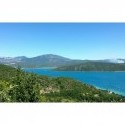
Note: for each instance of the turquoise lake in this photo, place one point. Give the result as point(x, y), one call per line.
point(112, 81)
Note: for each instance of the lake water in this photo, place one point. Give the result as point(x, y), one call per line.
point(112, 81)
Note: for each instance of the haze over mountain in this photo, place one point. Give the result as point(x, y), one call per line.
point(49, 60)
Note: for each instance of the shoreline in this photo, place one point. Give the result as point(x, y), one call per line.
point(111, 90)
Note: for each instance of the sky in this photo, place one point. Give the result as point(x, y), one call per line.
point(72, 40)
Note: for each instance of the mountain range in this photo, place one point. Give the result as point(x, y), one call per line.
point(49, 60)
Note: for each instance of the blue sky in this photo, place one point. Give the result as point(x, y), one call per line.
point(73, 40)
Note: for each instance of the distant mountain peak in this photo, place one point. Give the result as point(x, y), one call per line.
point(52, 56)
point(21, 57)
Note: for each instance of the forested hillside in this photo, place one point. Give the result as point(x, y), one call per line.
point(19, 86)
point(94, 66)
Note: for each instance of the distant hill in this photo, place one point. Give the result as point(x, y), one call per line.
point(19, 86)
point(49, 60)
point(94, 66)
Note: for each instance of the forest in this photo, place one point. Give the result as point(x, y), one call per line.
point(94, 66)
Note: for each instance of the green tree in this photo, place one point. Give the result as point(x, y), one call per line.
point(5, 88)
point(26, 87)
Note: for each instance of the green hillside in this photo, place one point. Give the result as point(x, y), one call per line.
point(94, 66)
point(6, 72)
point(19, 86)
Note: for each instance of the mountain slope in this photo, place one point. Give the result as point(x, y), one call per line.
point(18, 86)
point(6, 72)
point(48, 60)
point(94, 66)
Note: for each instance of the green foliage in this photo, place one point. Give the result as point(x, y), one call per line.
point(74, 91)
point(26, 88)
point(19, 86)
point(6, 72)
point(5, 88)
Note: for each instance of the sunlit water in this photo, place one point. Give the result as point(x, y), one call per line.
point(112, 81)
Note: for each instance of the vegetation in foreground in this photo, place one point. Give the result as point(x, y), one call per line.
point(19, 86)
point(94, 66)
